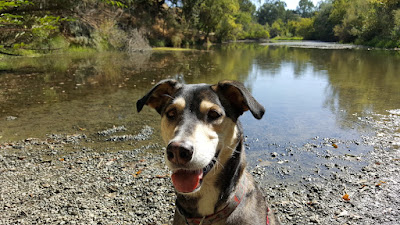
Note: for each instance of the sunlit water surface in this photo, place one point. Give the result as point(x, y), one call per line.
point(309, 95)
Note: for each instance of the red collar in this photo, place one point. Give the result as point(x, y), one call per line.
point(223, 213)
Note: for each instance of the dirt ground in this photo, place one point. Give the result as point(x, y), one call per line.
point(42, 183)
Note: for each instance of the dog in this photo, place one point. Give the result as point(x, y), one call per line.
point(205, 151)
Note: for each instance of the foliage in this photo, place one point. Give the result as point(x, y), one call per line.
point(271, 11)
point(277, 28)
point(306, 8)
point(115, 3)
point(323, 23)
point(13, 4)
point(217, 15)
point(109, 37)
point(46, 25)
point(291, 15)
point(25, 31)
point(305, 28)
point(366, 22)
point(254, 31)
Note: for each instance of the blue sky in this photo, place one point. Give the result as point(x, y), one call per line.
point(290, 4)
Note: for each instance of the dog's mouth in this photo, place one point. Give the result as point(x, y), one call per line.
point(187, 181)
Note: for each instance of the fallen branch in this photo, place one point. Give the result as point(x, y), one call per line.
point(10, 54)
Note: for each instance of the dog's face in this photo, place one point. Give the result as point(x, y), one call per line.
point(198, 124)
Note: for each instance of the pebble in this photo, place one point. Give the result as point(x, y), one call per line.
point(90, 187)
point(9, 118)
point(77, 191)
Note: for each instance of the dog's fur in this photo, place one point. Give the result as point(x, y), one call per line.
point(202, 121)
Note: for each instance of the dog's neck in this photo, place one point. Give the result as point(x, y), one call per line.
point(219, 192)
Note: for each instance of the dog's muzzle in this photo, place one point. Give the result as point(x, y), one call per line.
point(180, 153)
point(186, 180)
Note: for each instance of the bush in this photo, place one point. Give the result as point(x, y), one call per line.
point(58, 42)
point(137, 41)
point(257, 31)
point(157, 43)
point(277, 28)
point(109, 37)
point(305, 28)
point(176, 41)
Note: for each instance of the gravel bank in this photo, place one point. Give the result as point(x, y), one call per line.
point(42, 183)
point(370, 195)
point(315, 44)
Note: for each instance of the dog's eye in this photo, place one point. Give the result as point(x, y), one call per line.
point(171, 114)
point(213, 115)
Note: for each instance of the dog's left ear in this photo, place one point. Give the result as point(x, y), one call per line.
point(239, 97)
point(158, 96)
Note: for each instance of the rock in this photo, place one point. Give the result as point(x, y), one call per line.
point(46, 185)
point(314, 219)
point(93, 187)
point(9, 118)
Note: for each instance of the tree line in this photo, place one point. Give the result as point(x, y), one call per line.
point(46, 25)
point(366, 22)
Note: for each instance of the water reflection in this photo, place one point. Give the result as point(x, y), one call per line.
point(307, 92)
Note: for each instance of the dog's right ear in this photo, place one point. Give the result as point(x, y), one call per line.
point(158, 96)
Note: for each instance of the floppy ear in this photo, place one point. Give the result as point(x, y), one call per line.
point(158, 96)
point(239, 98)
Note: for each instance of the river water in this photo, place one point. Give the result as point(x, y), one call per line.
point(310, 95)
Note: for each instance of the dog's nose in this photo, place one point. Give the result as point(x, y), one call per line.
point(180, 152)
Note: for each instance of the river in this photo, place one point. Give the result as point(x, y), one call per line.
point(312, 96)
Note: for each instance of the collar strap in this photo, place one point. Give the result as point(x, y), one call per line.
point(223, 213)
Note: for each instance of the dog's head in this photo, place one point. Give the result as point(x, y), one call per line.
point(198, 124)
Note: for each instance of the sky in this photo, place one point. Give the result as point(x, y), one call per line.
point(290, 4)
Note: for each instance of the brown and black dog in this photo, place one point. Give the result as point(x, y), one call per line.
point(205, 151)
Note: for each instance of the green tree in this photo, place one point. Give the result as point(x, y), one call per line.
point(249, 28)
point(351, 25)
point(323, 24)
point(305, 28)
point(291, 15)
point(23, 25)
point(277, 28)
point(396, 29)
point(218, 15)
point(305, 8)
point(247, 6)
point(271, 11)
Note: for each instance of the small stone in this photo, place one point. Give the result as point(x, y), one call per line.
point(314, 219)
point(9, 118)
point(344, 213)
point(46, 185)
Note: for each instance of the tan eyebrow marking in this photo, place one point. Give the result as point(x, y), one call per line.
point(205, 106)
point(178, 103)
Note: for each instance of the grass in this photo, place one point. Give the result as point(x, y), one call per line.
point(281, 38)
point(79, 49)
point(172, 49)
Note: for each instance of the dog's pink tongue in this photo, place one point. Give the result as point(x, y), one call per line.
point(186, 181)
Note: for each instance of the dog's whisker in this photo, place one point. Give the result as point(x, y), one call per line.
point(218, 163)
point(169, 96)
point(234, 150)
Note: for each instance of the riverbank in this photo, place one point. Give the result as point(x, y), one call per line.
point(322, 45)
point(347, 195)
point(44, 183)
point(315, 44)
